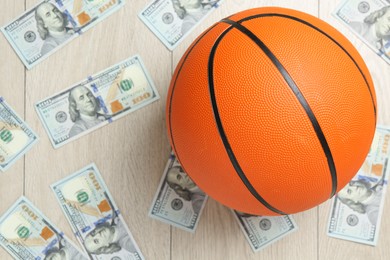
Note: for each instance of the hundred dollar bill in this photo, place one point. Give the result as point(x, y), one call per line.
point(94, 217)
point(28, 235)
point(178, 201)
point(96, 101)
point(261, 231)
point(172, 20)
point(16, 137)
point(51, 24)
point(357, 208)
point(370, 21)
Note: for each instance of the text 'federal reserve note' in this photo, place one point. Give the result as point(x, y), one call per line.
point(172, 20)
point(16, 137)
point(357, 208)
point(261, 231)
point(27, 234)
point(178, 201)
point(94, 217)
point(370, 21)
point(97, 101)
point(42, 30)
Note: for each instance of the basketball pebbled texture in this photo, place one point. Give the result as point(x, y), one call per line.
point(271, 111)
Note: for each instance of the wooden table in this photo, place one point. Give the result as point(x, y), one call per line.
point(131, 153)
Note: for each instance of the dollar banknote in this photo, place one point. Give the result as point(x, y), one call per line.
point(172, 20)
point(262, 231)
point(370, 21)
point(50, 24)
point(16, 137)
point(178, 201)
point(27, 234)
point(96, 101)
point(95, 219)
point(357, 208)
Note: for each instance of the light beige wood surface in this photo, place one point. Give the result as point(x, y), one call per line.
point(131, 153)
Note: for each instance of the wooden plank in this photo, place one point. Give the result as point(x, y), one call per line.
point(12, 76)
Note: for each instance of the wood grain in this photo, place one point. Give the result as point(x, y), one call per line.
point(12, 89)
point(131, 153)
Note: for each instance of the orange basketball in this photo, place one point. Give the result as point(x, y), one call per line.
point(271, 111)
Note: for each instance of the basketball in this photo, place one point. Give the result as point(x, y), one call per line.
point(271, 111)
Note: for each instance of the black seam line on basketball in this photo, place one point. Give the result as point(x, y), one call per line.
point(299, 96)
point(173, 90)
point(328, 36)
point(222, 133)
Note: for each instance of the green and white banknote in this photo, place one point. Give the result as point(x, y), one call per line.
point(98, 100)
point(27, 234)
point(370, 21)
point(262, 231)
point(172, 20)
point(178, 201)
point(95, 219)
point(16, 137)
point(49, 25)
point(357, 208)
